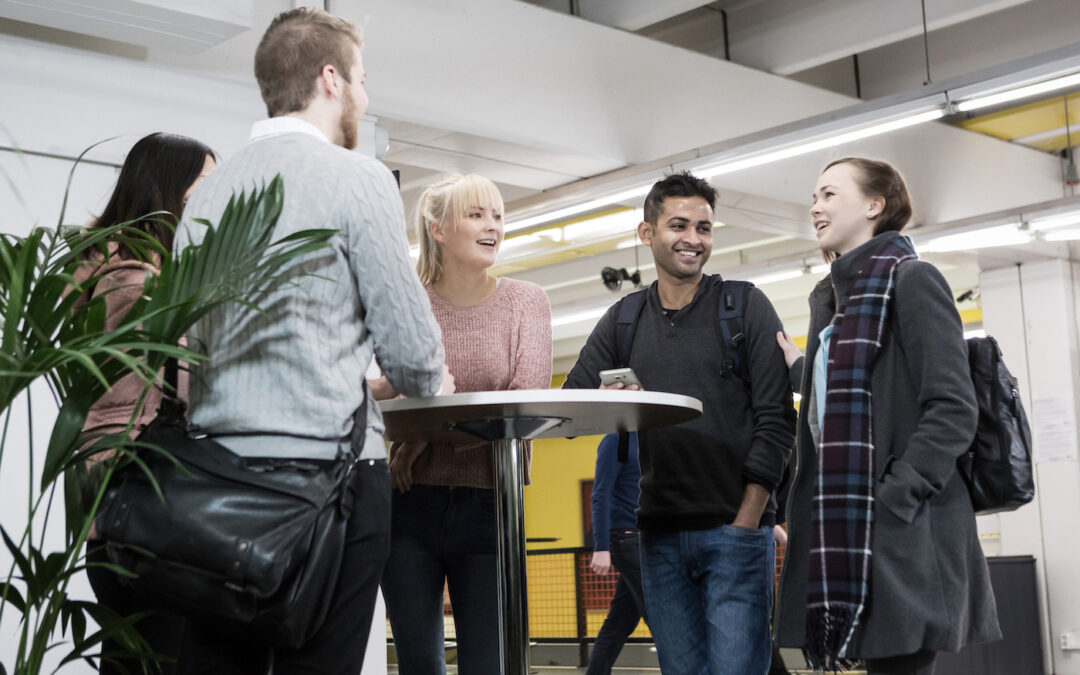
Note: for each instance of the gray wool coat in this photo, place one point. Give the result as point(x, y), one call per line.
point(929, 584)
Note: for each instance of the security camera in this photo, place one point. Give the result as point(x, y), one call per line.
point(613, 278)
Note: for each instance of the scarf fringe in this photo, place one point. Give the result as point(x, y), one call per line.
point(827, 632)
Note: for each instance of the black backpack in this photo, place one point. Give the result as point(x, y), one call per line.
point(997, 468)
point(731, 323)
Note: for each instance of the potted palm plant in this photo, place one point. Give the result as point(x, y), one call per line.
point(48, 335)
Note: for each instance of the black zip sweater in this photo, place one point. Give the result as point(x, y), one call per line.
point(693, 475)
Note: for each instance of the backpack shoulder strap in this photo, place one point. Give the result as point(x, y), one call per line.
point(629, 311)
point(625, 323)
point(731, 318)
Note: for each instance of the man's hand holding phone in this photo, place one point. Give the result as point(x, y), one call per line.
point(620, 378)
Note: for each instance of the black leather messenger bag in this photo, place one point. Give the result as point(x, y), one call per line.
point(254, 544)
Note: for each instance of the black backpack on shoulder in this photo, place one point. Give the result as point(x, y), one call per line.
point(731, 325)
point(997, 468)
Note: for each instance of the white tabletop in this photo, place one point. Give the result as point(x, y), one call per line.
point(584, 412)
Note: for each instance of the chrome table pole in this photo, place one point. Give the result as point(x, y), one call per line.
point(513, 597)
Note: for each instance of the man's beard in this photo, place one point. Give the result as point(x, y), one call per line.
point(349, 122)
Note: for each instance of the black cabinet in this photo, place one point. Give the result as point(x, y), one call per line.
point(1019, 652)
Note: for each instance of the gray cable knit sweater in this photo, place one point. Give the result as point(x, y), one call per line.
point(298, 369)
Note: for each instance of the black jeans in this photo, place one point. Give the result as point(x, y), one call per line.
point(920, 663)
point(448, 535)
point(627, 605)
point(339, 645)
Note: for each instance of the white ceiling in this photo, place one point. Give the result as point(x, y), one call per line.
point(546, 103)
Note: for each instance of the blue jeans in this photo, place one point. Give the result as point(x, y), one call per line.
point(709, 595)
point(627, 605)
point(443, 533)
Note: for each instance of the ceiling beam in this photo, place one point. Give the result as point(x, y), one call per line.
point(784, 37)
point(634, 14)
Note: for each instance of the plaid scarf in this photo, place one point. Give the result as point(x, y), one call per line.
point(843, 505)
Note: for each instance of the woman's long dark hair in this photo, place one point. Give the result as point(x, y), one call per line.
point(157, 172)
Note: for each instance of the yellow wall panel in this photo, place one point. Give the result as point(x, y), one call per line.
point(553, 505)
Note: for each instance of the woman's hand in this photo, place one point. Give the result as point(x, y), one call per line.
point(448, 386)
point(791, 352)
point(381, 389)
point(401, 465)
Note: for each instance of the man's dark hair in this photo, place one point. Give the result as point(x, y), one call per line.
point(683, 184)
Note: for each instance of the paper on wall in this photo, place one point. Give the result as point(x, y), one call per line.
point(1054, 429)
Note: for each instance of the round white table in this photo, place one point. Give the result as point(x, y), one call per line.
point(508, 419)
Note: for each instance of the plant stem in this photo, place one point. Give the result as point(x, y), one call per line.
point(30, 459)
point(3, 436)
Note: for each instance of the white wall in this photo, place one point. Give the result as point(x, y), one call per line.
point(1032, 311)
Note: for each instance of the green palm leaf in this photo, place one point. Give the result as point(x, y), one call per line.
point(50, 329)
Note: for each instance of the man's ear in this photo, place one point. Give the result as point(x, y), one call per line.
point(328, 82)
point(645, 233)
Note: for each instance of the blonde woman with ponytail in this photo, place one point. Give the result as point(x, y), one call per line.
point(497, 335)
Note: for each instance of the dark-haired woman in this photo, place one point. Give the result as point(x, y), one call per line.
point(158, 174)
point(883, 560)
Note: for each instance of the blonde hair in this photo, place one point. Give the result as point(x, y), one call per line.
point(445, 202)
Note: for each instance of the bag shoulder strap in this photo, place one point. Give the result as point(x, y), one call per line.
point(626, 322)
point(731, 322)
point(172, 408)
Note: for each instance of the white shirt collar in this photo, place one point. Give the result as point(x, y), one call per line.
point(285, 124)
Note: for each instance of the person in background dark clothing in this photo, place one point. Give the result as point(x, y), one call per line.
point(615, 545)
point(706, 513)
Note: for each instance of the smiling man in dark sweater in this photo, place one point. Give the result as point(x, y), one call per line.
point(706, 511)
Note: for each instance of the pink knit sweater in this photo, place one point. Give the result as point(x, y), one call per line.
point(121, 283)
point(502, 343)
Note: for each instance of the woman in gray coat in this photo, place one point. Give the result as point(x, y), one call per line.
point(883, 561)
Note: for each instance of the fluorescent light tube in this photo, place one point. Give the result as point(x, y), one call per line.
point(513, 225)
point(592, 313)
point(739, 161)
point(988, 237)
point(805, 147)
point(521, 241)
point(773, 277)
point(1019, 92)
point(1061, 235)
point(602, 227)
point(820, 269)
point(1056, 221)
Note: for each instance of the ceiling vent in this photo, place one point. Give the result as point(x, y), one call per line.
point(186, 27)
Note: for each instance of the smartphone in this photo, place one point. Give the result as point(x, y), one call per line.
point(624, 375)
